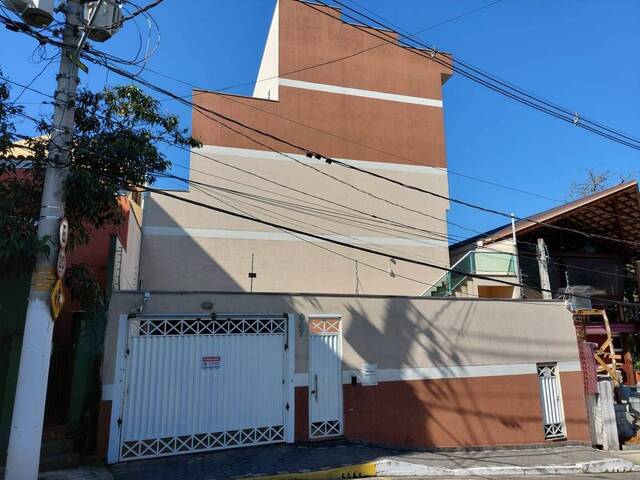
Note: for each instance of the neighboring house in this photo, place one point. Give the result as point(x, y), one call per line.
point(381, 110)
point(73, 386)
point(604, 269)
point(329, 347)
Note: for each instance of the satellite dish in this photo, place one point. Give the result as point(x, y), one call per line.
point(37, 13)
point(105, 21)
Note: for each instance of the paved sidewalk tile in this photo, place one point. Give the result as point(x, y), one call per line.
point(81, 473)
point(521, 457)
point(266, 460)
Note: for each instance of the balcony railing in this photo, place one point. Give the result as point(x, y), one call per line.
point(473, 262)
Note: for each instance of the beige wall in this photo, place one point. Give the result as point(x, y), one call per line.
point(394, 332)
point(187, 247)
point(382, 110)
point(130, 260)
point(267, 83)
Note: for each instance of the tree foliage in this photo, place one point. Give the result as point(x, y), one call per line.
point(115, 144)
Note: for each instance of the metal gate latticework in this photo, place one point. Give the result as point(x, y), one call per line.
point(325, 429)
point(194, 384)
point(211, 326)
point(551, 401)
point(325, 373)
point(206, 441)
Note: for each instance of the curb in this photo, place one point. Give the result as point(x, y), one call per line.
point(393, 468)
point(361, 470)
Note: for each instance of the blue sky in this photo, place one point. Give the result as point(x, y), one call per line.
point(581, 54)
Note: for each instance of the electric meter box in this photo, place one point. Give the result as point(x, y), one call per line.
point(106, 20)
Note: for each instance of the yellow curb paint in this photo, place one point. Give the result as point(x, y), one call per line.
point(362, 470)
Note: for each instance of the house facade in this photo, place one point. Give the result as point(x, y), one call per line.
point(381, 110)
point(598, 270)
point(193, 372)
point(243, 334)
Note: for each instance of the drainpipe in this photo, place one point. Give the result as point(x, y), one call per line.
point(515, 255)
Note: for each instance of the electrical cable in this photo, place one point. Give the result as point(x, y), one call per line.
point(485, 247)
point(472, 73)
point(362, 248)
point(331, 160)
point(302, 238)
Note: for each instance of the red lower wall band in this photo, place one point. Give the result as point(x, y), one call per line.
point(460, 412)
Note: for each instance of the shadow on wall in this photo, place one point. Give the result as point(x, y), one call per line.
point(193, 260)
point(494, 410)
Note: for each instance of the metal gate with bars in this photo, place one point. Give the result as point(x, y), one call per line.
point(205, 383)
point(551, 401)
point(325, 376)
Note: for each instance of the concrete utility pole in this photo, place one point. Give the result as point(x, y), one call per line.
point(516, 257)
point(543, 269)
point(23, 454)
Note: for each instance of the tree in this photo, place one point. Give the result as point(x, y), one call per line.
point(115, 145)
point(595, 182)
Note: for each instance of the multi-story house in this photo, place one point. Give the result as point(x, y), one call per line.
point(381, 110)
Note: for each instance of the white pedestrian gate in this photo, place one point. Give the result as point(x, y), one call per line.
point(551, 401)
point(325, 376)
point(195, 384)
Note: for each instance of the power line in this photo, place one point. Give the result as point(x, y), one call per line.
point(476, 75)
point(127, 74)
point(362, 248)
point(188, 181)
point(484, 247)
point(330, 160)
point(263, 198)
point(302, 238)
point(322, 64)
point(296, 222)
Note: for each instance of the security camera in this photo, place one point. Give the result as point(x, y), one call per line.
point(147, 297)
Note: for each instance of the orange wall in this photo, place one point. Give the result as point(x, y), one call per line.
point(481, 411)
point(395, 132)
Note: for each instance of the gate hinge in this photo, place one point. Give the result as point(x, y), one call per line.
point(286, 347)
point(287, 406)
point(119, 422)
point(126, 352)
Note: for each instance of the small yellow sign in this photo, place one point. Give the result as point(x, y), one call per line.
point(57, 299)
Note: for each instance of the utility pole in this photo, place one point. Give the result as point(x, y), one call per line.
point(515, 256)
point(543, 269)
point(23, 454)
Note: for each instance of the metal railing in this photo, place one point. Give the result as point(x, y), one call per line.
point(473, 262)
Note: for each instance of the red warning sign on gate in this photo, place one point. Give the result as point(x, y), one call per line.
point(211, 362)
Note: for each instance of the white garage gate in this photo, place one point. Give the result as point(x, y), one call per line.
point(194, 383)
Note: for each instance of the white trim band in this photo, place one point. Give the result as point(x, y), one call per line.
point(269, 155)
point(447, 372)
point(286, 237)
point(357, 92)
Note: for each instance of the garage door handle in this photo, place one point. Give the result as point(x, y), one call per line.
point(314, 392)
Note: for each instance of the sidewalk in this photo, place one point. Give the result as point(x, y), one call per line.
point(291, 461)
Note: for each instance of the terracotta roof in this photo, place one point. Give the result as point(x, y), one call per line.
point(614, 212)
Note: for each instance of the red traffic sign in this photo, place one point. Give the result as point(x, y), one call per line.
point(61, 265)
point(63, 237)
